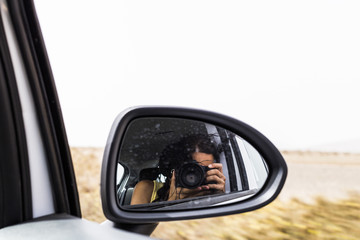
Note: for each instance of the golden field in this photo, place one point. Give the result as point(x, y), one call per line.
point(320, 200)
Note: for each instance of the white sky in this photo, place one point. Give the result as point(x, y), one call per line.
point(291, 69)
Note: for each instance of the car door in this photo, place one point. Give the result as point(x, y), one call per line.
point(38, 192)
point(37, 177)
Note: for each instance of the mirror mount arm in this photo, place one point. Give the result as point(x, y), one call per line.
point(144, 229)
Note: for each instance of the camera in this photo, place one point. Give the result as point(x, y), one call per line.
point(190, 175)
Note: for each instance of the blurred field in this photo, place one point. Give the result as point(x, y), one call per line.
point(320, 200)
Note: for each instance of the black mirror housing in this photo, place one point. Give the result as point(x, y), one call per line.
point(270, 190)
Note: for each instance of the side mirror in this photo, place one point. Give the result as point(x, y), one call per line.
point(163, 163)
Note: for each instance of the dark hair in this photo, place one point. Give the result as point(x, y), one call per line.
point(176, 153)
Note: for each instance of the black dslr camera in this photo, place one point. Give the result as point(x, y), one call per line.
point(190, 175)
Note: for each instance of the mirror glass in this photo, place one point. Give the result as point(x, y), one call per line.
point(173, 163)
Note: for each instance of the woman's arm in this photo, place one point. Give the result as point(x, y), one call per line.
point(142, 192)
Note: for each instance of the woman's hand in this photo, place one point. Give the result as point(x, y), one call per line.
point(215, 178)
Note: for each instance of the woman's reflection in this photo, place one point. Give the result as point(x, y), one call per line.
point(190, 168)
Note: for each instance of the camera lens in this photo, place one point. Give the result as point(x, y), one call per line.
point(191, 175)
point(191, 178)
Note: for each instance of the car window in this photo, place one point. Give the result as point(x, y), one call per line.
point(256, 168)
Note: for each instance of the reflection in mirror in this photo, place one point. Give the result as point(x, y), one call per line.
point(172, 163)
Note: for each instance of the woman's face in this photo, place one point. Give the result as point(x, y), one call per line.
point(204, 159)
